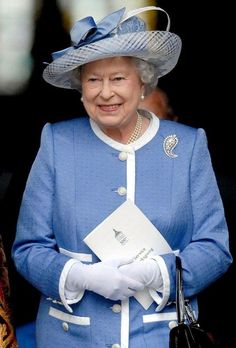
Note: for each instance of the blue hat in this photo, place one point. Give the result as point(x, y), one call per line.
point(118, 34)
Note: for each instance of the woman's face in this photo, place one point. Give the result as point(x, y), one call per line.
point(111, 90)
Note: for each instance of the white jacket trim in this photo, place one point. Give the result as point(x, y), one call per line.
point(68, 317)
point(151, 318)
point(62, 283)
point(78, 256)
point(161, 300)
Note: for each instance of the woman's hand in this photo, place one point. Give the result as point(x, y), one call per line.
point(104, 278)
point(147, 272)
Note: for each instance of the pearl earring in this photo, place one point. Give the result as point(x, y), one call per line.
point(81, 99)
point(142, 97)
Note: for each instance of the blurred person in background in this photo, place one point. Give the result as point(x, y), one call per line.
point(158, 102)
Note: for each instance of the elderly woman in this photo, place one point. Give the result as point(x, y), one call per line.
point(88, 167)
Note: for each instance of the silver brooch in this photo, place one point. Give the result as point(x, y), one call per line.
point(169, 144)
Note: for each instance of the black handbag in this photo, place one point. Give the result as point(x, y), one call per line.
point(187, 333)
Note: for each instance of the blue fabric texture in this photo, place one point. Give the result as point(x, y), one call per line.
point(25, 335)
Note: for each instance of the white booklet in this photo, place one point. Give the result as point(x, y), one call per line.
point(128, 232)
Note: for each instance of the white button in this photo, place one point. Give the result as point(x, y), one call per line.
point(115, 345)
point(172, 324)
point(122, 191)
point(116, 308)
point(123, 156)
point(65, 326)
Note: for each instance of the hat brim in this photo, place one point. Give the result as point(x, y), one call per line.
point(161, 48)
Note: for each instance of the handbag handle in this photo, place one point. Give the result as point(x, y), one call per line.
point(180, 306)
point(183, 307)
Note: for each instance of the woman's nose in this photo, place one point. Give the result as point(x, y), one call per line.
point(106, 90)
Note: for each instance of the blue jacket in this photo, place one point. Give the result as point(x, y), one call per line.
point(73, 186)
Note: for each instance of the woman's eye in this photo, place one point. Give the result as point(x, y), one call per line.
point(92, 79)
point(119, 78)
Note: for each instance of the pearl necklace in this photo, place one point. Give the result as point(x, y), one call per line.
point(137, 130)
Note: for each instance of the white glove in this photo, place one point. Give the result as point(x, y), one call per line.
point(104, 278)
point(146, 271)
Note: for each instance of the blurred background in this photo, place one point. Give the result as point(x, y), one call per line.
point(198, 90)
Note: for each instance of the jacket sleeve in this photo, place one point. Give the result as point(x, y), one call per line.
point(207, 256)
point(34, 250)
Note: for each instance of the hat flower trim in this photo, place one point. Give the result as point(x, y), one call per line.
point(86, 31)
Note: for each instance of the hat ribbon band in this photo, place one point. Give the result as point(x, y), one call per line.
point(86, 31)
